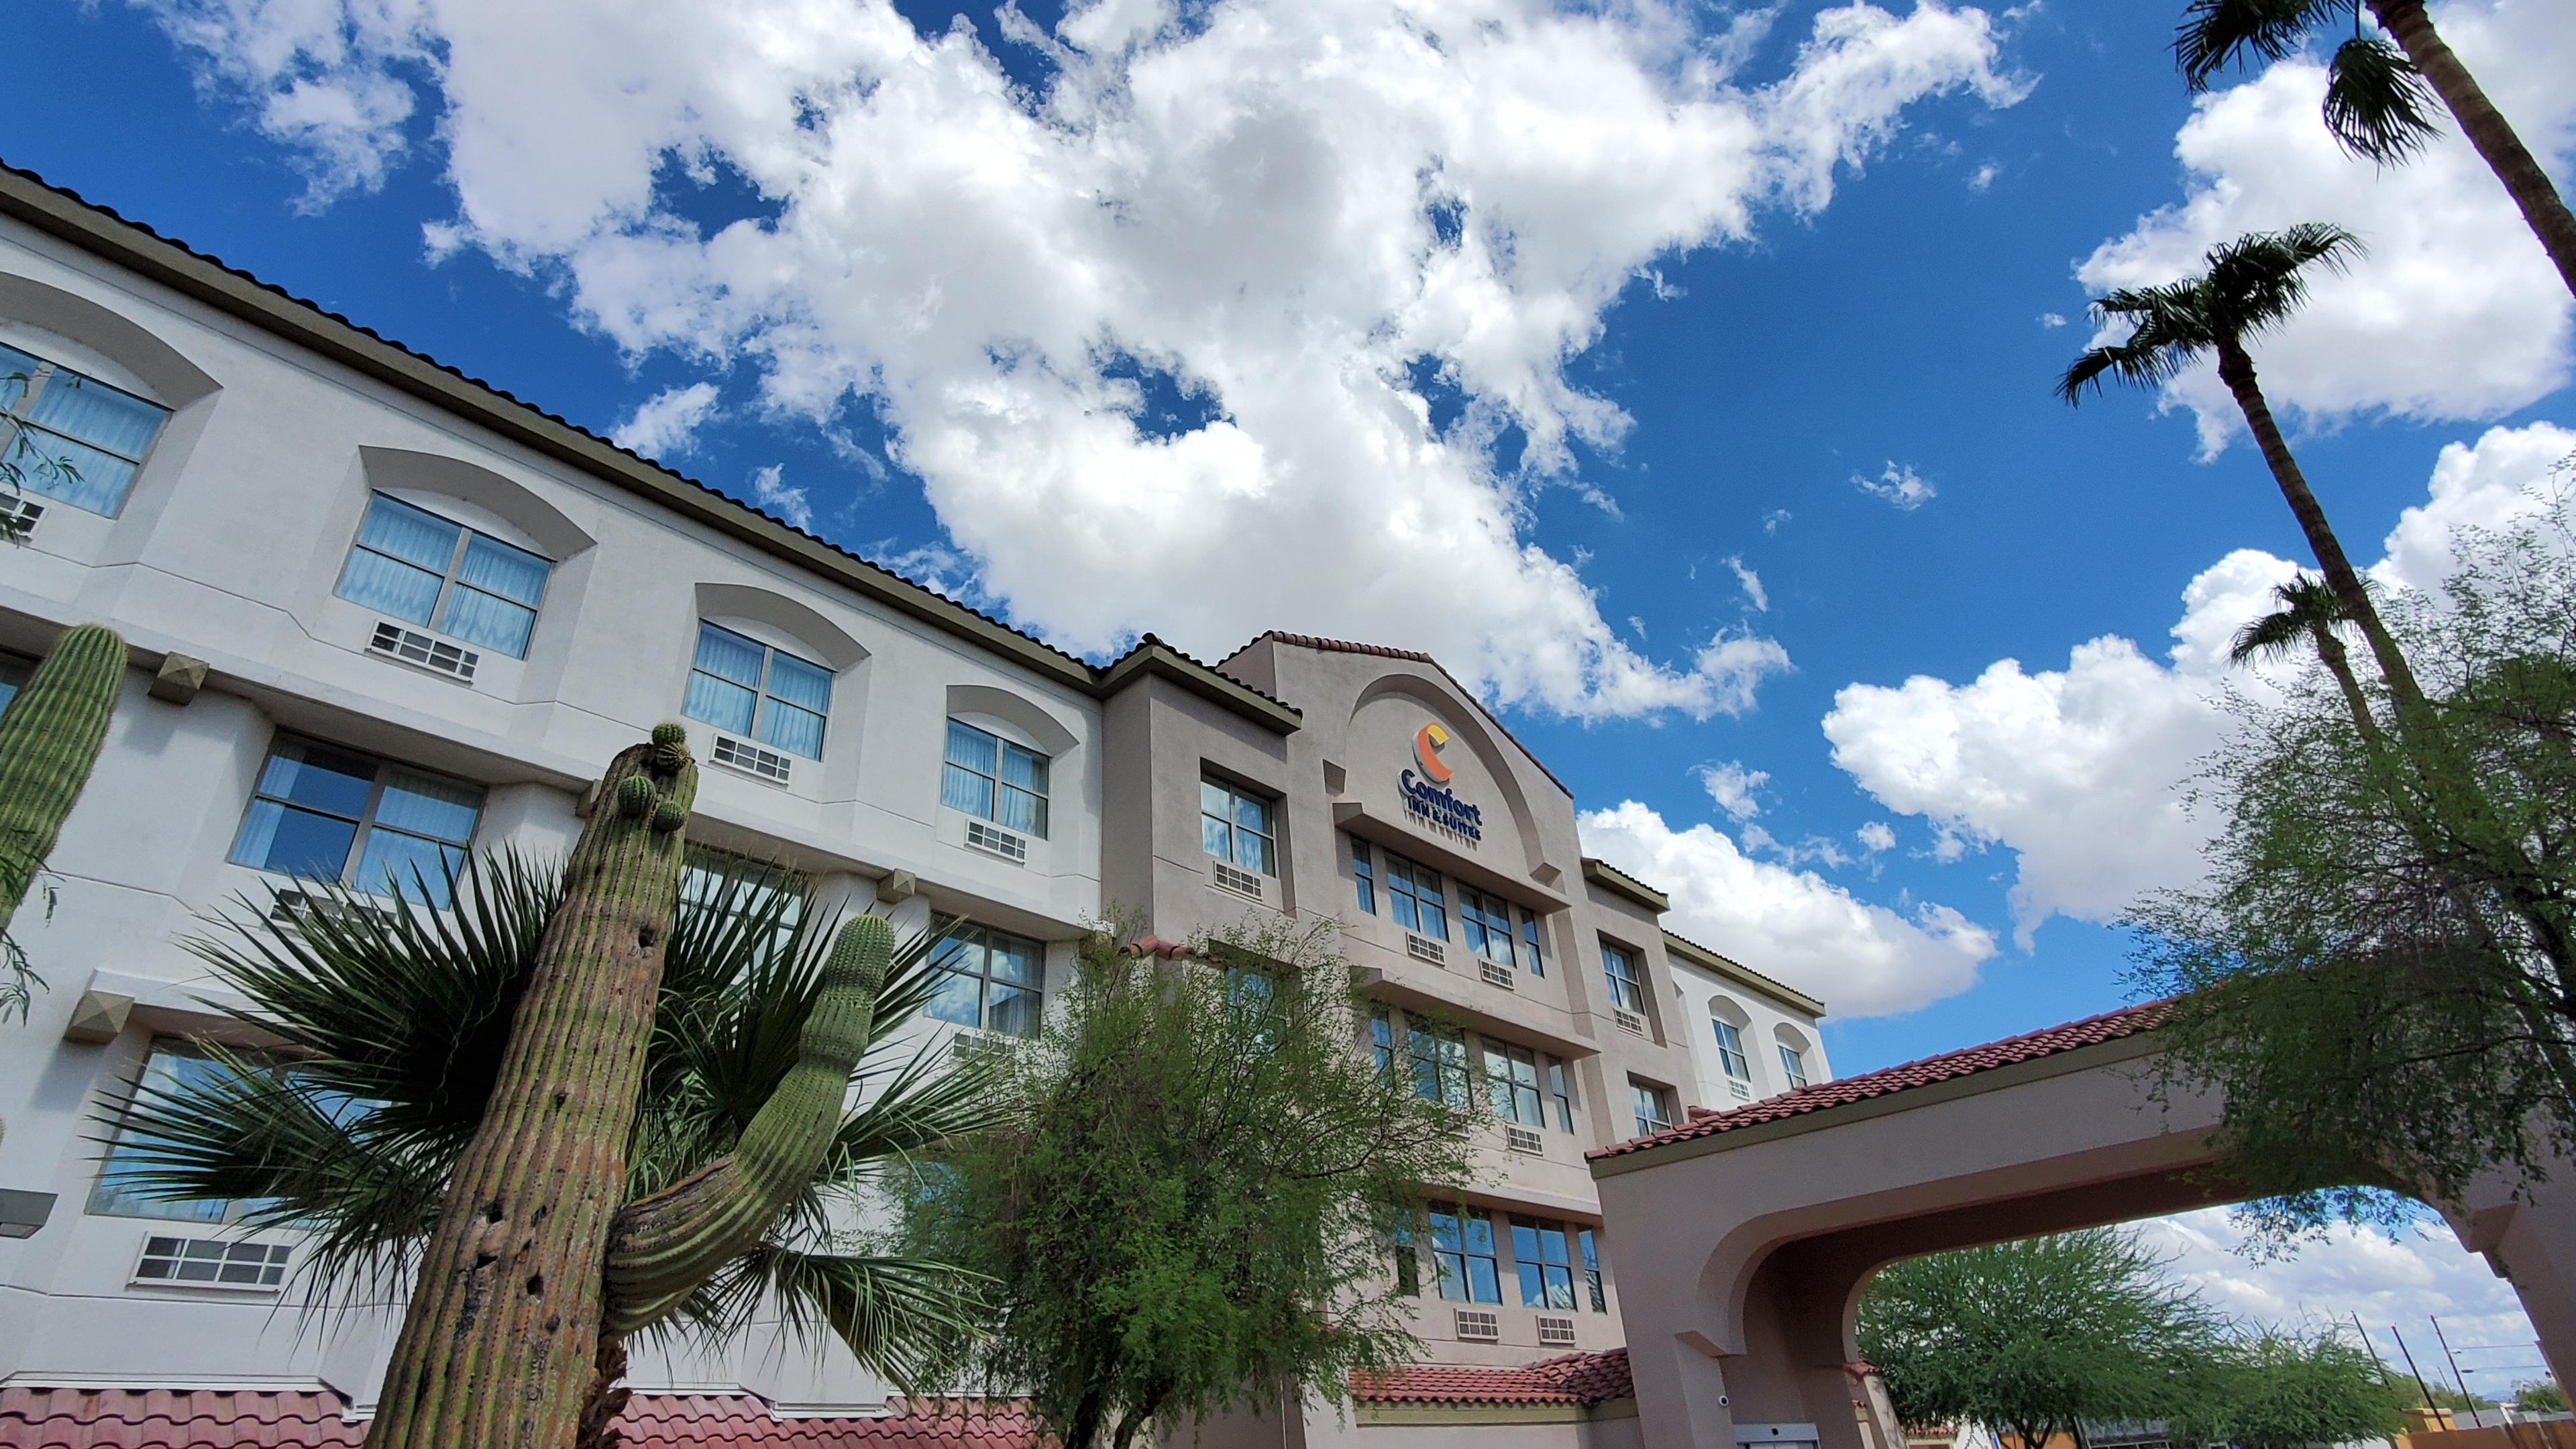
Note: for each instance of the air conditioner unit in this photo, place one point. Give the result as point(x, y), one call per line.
point(1478, 1325)
point(1495, 974)
point(999, 842)
point(751, 759)
point(1422, 948)
point(1741, 1092)
point(1521, 1139)
point(212, 1263)
point(1241, 882)
point(1555, 1332)
point(978, 1048)
point(414, 647)
point(20, 513)
point(1628, 1021)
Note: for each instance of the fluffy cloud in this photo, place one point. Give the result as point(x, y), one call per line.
point(1731, 785)
point(2456, 312)
point(2077, 770)
point(1860, 959)
point(666, 424)
point(1283, 207)
point(1899, 485)
point(769, 489)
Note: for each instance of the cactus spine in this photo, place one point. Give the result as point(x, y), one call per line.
point(49, 740)
point(665, 1245)
point(499, 1344)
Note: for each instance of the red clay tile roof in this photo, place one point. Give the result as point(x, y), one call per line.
point(1968, 1061)
point(1156, 946)
point(42, 1418)
point(1347, 646)
point(1574, 1378)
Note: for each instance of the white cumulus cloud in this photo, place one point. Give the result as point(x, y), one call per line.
point(1899, 485)
point(1281, 207)
point(1732, 786)
point(2456, 311)
point(1859, 959)
point(665, 425)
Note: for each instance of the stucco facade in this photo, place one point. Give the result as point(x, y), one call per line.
point(285, 466)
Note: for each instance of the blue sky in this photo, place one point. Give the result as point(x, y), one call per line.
point(1672, 295)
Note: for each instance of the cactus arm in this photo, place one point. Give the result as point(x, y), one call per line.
point(500, 1344)
point(50, 737)
point(665, 1245)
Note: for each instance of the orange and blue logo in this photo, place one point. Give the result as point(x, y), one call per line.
point(1427, 746)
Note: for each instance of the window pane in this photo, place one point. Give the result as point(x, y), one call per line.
point(1252, 852)
point(499, 568)
point(408, 866)
point(963, 789)
point(972, 748)
point(1014, 959)
point(1216, 837)
point(17, 370)
point(389, 586)
point(416, 537)
point(167, 1071)
point(97, 414)
point(319, 776)
point(1014, 1011)
point(1252, 814)
point(1215, 800)
point(294, 842)
point(959, 999)
point(1024, 769)
point(54, 466)
point(806, 686)
point(725, 705)
point(797, 731)
point(727, 655)
point(1484, 1280)
point(1021, 810)
point(479, 618)
point(424, 805)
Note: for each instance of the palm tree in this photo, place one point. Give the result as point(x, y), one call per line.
point(2378, 94)
point(2252, 285)
point(389, 1023)
point(2308, 617)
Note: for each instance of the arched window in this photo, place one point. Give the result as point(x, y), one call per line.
point(67, 436)
point(1727, 1021)
point(1793, 1056)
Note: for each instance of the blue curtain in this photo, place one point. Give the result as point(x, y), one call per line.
point(797, 731)
point(94, 413)
point(495, 604)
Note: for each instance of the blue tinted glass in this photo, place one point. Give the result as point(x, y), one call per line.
point(389, 586)
point(497, 568)
point(1216, 837)
point(17, 370)
point(91, 411)
point(1027, 771)
point(1020, 810)
point(972, 748)
point(396, 864)
point(319, 776)
point(409, 534)
point(54, 466)
point(1252, 814)
point(495, 623)
point(727, 655)
point(961, 789)
point(797, 731)
point(294, 842)
point(803, 685)
point(959, 999)
point(1252, 852)
point(725, 705)
point(425, 805)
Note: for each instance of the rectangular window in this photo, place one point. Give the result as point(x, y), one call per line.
point(1462, 1246)
point(173, 1066)
point(418, 567)
point(991, 980)
point(72, 437)
point(1627, 984)
point(1364, 876)
point(1529, 943)
point(1560, 1085)
point(1235, 827)
point(1793, 1062)
point(1730, 1049)
point(1591, 1254)
point(744, 687)
point(1511, 1084)
point(1439, 1056)
point(1408, 1261)
point(1382, 1039)
point(1414, 899)
point(1539, 1252)
point(324, 813)
point(1486, 922)
point(1654, 1106)
point(990, 778)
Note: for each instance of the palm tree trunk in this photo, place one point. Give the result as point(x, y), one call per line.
point(2339, 664)
point(2236, 369)
point(2486, 129)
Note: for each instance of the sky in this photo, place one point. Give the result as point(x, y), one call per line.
point(1678, 373)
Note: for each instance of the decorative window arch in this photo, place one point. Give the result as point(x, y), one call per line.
point(1728, 1023)
point(1794, 1054)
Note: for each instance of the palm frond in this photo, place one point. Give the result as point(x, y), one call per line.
point(906, 1319)
point(2256, 281)
point(2377, 103)
point(2306, 605)
point(2168, 329)
point(2218, 34)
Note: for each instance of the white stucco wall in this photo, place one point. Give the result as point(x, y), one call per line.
point(1700, 995)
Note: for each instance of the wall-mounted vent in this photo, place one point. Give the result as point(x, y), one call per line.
point(1495, 974)
point(213, 1263)
point(1241, 882)
point(1521, 1139)
point(1555, 1332)
point(1422, 948)
point(1000, 842)
point(414, 647)
point(19, 513)
point(976, 1048)
point(1628, 1021)
point(1738, 1090)
point(751, 759)
point(1478, 1325)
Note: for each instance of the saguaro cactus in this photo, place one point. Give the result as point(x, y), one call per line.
point(49, 740)
point(498, 1347)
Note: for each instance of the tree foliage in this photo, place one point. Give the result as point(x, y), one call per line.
point(2541, 1396)
point(1190, 1205)
point(2037, 1337)
point(2374, 971)
point(2269, 1390)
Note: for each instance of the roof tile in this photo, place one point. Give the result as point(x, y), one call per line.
point(1574, 1378)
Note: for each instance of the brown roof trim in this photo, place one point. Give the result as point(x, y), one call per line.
point(1741, 974)
point(1414, 656)
point(1152, 658)
point(1610, 877)
point(101, 231)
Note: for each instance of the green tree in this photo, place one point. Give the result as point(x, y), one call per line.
point(2378, 93)
point(2541, 1396)
point(2270, 1390)
point(2380, 1015)
point(2036, 1338)
point(1192, 1203)
point(2307, 619)
point(395, 1022)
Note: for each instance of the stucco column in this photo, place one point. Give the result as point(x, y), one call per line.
point(2531, 1242)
